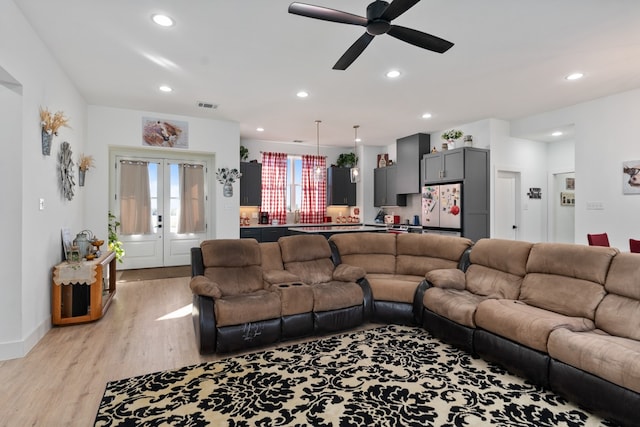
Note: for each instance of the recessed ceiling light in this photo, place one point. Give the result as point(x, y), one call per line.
point(162, 20)
point(556, 133)
point(302, 94)
point(393, 74)
point(260, 129)
point(358, 139)
point(426, 116)
point(165, 88)
point(574, 76)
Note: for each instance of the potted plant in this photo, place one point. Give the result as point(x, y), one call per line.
point(84, 164)
point(244, 153)
point(451, 136)
point(115, 244)
point(226, 177)
point(50, 123)
point(347, 160)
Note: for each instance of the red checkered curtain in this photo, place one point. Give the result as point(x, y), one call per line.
point(314, 191)
point(274, 186)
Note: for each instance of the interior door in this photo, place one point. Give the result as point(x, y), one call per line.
point(506, 198)
point(163, 245)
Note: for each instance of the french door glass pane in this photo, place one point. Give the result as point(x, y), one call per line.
point(174, 197)
point(153, 192)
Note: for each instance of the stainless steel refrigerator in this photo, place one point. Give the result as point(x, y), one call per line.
point(442, 208)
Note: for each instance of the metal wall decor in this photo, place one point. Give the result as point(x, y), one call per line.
point(66, 171)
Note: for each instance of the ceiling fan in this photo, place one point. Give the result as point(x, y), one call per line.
point(378, 21)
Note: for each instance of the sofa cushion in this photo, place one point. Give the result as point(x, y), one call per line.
point(492, 283)
point(393, 287)
point(239, 309)
point(447, 278)
point(509, 256)
point(234, 264)
point(454, 304)
point(308, 257)
point(335, 295)
point(375, 252)
point(566, 278)
point(610, 357)
point(524, 324)
point(271, 256)
point(417, 254)
point(624, 276)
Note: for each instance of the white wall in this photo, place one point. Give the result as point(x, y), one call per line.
point(122, 128)
point(606, 135)
point(33, 176)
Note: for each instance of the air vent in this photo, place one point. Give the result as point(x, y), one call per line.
point(210, 105)
point(298, 141)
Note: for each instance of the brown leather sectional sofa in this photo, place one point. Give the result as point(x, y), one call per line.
point(565, 316)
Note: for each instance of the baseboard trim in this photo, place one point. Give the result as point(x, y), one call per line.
point(17, 349)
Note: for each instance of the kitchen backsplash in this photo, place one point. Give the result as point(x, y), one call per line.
point(334, 212)
point(413, 207)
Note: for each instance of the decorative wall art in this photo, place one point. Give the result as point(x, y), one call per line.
point(631, 177)
point(535, 193)
point(567, 198)
point(570, 183)
point(50, 124)
point(165, 133)
point(66, 172)
point(383, 160)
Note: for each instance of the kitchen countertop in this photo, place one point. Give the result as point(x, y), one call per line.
point(334, 228)
point(324, 224)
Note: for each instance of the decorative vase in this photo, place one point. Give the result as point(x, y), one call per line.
point(81, 174)
point(227, 190)
point(452, 144)
point(46, 142)
point(468, 140)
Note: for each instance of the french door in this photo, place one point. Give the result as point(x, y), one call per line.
point(162, 243)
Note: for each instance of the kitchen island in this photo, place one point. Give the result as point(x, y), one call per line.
point(329, 230)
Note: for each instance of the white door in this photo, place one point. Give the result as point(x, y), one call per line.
point(507, 195)
point(162, 245)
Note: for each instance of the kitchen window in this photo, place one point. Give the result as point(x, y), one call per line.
point(294, 183)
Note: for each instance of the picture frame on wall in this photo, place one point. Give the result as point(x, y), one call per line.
point(570, 183)
point(631, 177)
point(165, 133)
point(567, 198)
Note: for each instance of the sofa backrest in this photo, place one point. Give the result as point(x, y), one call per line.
point(567, 278)
point(375, 252)
point(234, 264)
point(417, 254)
point(619, 312)
point(497, 267)
point(308, 257)
point(271, 256)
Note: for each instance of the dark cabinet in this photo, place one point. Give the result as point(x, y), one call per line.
point(272, 234)
point(250, 184)
point(340, 189)
point(445, 166)
point(384, 188)
point(410, 150)
point(251, 233)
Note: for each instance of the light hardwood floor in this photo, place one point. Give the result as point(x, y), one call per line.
point(62, 379)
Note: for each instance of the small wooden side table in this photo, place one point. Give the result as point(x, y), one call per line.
point(70, 282)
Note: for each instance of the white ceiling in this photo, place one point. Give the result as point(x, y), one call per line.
point(251, 57)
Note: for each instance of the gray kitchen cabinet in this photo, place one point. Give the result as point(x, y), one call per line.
point(452, 165)
point(340, 189)
point(251, 233)
point(384, 188)
point(409, 152)
point(250, 184)
point(272, 234)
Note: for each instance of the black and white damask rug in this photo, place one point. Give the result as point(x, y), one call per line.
point(389, 376)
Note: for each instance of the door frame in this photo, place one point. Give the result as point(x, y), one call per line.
point(551, 217)
point(172, 155)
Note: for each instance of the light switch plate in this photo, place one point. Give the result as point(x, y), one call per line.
point(41, 204)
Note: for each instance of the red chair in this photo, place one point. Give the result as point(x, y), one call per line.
point(634, 245)
point(598, 239)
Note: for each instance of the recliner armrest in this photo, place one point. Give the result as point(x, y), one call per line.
point(202, 285)
point(274, 277)
point(197, 263)
point(348, 273)
point(451, 278)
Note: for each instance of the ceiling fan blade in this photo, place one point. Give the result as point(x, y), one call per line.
point(397, 8)
point(353, 52)
point(420, 39)
point(326, 14)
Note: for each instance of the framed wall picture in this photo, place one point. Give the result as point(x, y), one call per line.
point(165, 133)
point(631, 177)
point(567, 198)
point(383, 160)
point(570, 183)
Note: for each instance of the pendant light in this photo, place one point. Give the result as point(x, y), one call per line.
point(317, 172)
point(355, 172)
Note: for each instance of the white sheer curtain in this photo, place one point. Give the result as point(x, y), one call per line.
point(191, 179)
point(135, 199)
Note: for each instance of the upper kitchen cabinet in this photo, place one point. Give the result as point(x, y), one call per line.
point(454, 165)
point(250, 184)
point(340, 189)
point(384, 188)
point(409, 152)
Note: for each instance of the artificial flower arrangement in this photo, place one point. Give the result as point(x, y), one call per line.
point(52, 122)
point(85, 162)
point(452, 134)
point(227, 176)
